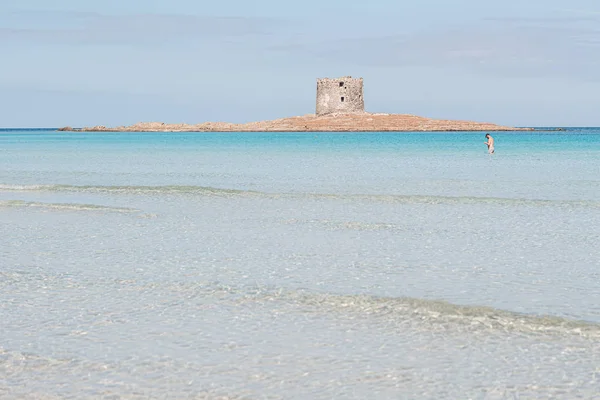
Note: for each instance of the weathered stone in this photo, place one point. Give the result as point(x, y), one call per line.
point(340, 95)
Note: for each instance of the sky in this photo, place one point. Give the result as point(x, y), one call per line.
point(118, 62)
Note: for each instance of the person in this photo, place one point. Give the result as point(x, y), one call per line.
point(490, 143)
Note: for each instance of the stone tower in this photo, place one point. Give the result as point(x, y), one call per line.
point(340, 95)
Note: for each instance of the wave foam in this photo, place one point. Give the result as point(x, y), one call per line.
point(381, 198)
point(433, 312)
point(65, 206)
point(170, 189)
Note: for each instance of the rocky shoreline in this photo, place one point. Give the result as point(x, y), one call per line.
point(358, 122)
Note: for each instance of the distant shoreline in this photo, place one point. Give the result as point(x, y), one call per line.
point(357, 122)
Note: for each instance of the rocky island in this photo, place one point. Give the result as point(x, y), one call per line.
point(340, 108)
point(364, 122)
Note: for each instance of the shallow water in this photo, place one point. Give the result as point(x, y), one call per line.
point(283, 265)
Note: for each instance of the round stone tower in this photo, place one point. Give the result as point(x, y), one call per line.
point(340, 95)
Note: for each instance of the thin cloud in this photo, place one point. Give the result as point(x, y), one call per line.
point(581, 12)
point(25, 14)
point(93, 28)
point(545, 20)
point(499, 49)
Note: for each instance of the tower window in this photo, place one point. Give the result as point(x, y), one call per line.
point(342, 99)
point(341, 84)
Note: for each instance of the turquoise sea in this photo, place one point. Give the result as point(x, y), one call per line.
point(299, 265)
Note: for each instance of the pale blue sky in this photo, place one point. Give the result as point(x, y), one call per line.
point(113, 62)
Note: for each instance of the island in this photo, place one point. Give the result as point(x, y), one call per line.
point(339, 108)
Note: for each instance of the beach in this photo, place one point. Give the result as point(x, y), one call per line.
point(282, 265)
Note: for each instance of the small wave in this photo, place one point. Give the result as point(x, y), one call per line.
point(65, 206)
point(459, 200)
point(345, 225)
point(380, 198)
point(430, 312)
point(170, 189)
point(441, 313)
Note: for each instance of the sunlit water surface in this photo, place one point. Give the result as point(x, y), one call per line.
point(304, 266)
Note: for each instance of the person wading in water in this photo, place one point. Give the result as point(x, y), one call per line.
point(490, 143)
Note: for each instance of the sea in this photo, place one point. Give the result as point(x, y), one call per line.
point(299, 265)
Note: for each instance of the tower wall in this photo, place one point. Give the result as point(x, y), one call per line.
point(340, 95)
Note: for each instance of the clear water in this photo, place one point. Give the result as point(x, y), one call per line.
point(285, 265)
